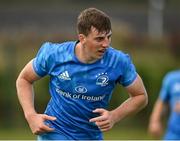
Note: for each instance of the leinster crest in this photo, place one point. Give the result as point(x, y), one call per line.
point(102, 79)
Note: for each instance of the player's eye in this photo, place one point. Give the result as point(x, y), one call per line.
point(99, 39)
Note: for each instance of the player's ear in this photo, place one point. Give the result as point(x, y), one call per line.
point(82, 38)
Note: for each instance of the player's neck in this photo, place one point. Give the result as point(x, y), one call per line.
point(82, 54)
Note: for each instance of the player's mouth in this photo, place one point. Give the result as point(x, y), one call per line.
point(101, 51)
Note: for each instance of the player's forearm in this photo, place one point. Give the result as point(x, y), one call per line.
point(131, 106)
point(25, 94)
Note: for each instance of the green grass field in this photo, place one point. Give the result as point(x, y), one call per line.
point(114, 134)
point(16, 134)
point(126, 134)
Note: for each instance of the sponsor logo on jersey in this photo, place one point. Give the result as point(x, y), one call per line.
point(102, 79)
point(80, 96)
point(81, 89)
point(64, 75)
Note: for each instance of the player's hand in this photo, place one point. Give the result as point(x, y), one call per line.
point(37, 125)
point(104, 121)
point(155, 129)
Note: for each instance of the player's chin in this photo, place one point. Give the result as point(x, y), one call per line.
point(100, 55)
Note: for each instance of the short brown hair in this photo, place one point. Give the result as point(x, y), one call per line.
point(93, 17)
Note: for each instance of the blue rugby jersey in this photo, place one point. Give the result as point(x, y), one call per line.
point(77, 88)
point(170, 93)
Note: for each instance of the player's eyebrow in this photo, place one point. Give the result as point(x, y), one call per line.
point(104, 35)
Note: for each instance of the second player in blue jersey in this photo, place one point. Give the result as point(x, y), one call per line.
point(169, 98)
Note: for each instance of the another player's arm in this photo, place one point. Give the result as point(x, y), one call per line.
point(138, 99)
point(155, 124)
point(25, 92)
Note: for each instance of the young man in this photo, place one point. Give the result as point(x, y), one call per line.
point(169, 97)
point(83, 75)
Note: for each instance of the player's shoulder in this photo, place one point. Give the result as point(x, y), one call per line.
point(117, 54)
point(51, 47)
point(172, 75)
point(115, 58)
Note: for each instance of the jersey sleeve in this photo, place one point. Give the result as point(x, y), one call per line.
point(164, 92)
point(40, 62)
point(129, 73)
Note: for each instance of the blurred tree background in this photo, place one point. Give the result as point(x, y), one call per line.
point(146, 29)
